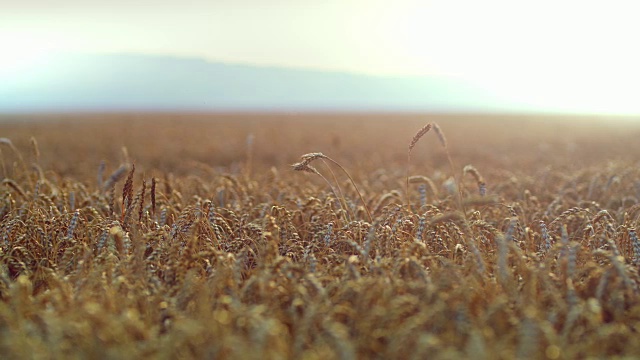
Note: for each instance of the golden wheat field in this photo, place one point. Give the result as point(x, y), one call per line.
point(391, 237)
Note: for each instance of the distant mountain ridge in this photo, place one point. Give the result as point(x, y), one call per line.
point(147, 82)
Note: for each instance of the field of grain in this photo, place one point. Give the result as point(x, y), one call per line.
point(193, 236)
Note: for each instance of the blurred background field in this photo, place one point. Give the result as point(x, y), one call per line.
point(74, 144)
point(214, 247)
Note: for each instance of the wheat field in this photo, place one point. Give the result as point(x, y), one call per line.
point(292, 236)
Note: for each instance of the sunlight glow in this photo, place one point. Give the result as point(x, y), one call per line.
point(21, 52)
point(550, 55)
point(560, 55)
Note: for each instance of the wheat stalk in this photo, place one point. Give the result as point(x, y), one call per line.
point(418, 135)
point(127, 193)
point(482, 186)
point(304, 166)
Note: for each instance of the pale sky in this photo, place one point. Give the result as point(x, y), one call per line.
point(580, 55)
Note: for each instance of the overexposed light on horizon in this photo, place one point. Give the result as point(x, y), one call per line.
point(21, 52)
point(564, 54)
point(27, 52)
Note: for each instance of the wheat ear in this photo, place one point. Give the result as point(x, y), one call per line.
point(443, 142)
point(425, 129)
point(482, 186)
point(307, 158)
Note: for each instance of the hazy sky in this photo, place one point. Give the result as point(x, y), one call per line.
point(581, 55)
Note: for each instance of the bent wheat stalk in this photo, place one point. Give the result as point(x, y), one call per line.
point(482, 186)
point(308, 158)
point(425, 129)
point(9, 143)
point(443, 142)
